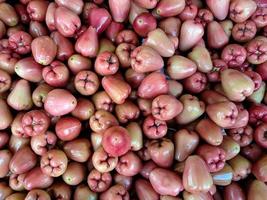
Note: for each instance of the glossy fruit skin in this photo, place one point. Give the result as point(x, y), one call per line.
point(99, 182)
point(20, 166)
point(193, 182)
point(78, 149)
point(54, 163)
point(37, 179)
point(165, 182)
point(144, 23)
point(68, 128)
point(116, 141)
point(59, 102)
point(259, 169)
point(5, 158)
point(184, 149)
point(117, 89)
point(161, 152)
point(144, 190)
point(234, 191)
point(116, 191)
point(41, 53)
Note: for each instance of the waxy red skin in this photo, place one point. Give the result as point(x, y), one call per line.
point(86, 82)
point(224, 118)
point(115, 192)
point(153, 85)
point(20, 42)
point(259, 169)
point(29, 70)
point(147, 168)
point(243, 136)
point(252, 152)
point(123, 52)
point(245, 31)
point(5, 157)
point(41, 53)
point(217, 37)
point(37, 179)
point(37, 194)
point(41, 143)
point(4, 138)
point(7, 62)
point(76, 6)
point(5, 190)
point(50, 16)
point(134, 78)
point(106, 63)
point(84, 109)
point(116, 141)
point(165, 182)
point(127, 36)
point(262, 70)
point(16, 143)
point(35, 122)
point(54, 163)
point(144, 23)
point(117, 89)
point(257, 113)
point(119, 9)
point(99, 182)
point(87, 43)
point(78, 149)
point(100, 19)
point(166, 107)
point(102, 120)
point(37, 10)
point(145, 191)
point(68, 128)
point(65, 47)
point(77, 63)
point(66, 21)
point(59, 102)
point(129, 164)
point(8, 14)
point(169, 8)
point(154, 128)
point(145, 59)
point(260, 135)
point(195, 83)
point(20, 166)
point(161, 152)
point(240, 10)
point(5, 81)
point(234, 192)
point(189, 12)
point(16, 181)
point(56, 74)
point(126, 181)
point(103, 162)
point(37, 29)
point(127, 111)
point(113, 30)
point(234, 55)
point(204, 16)
point(213, 156)
point(60, 190)
point(259, 17)
point(102, 101)
point(256, 78)
point(22, 12)
point(218, 66)
point(257, 51)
